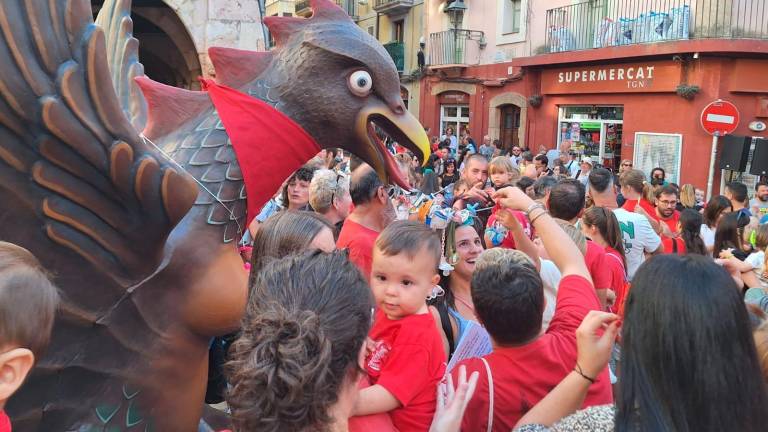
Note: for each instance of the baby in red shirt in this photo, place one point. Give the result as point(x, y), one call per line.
point(405, 360)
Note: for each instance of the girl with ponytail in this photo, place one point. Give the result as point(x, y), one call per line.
point(601, 225)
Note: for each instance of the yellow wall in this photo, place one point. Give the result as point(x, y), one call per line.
point(280, 7)
point(413, 31)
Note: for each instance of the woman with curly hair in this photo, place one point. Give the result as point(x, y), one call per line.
point(295, 365)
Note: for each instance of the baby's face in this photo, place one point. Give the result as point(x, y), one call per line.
point(401, 283)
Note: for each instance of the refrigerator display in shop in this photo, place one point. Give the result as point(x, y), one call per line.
point(592, 131)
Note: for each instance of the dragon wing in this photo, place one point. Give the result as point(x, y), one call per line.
point(123, 58)
point(72, 166)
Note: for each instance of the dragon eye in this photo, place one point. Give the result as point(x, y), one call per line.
point(360, 83)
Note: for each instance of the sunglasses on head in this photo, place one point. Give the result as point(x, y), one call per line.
point(626, 164)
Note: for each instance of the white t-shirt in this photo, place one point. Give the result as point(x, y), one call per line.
point(551, 276)
point(757, 261)
point(708, 235)
point(639, 238)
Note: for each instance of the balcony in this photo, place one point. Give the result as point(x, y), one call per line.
point(392, 7)
point(302, 8)
point(607, 23)
point(455, 47)
point(396, 50)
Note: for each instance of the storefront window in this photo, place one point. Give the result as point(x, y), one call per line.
point(593, 131)
point(592, 112)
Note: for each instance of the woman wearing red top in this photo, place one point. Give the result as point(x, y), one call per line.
point(601, 225)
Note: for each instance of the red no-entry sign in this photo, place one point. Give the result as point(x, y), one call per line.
point(720, 118)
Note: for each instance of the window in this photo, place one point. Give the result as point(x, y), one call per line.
point(454, 116)
point(287, 14)
point(398, 32)
point(371, 30)
point(512, 16)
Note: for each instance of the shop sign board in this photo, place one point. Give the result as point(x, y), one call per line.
point(720, 118)
point(645, 77)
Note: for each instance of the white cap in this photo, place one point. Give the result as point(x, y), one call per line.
point(588, 160)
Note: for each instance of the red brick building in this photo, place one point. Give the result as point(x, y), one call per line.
point(611, 103)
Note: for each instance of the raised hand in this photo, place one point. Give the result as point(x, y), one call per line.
point(451, 403)
point(594, 339)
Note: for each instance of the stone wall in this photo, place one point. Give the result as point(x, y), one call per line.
point(226, 23)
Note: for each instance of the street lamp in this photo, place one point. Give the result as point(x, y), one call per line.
point(455, 11)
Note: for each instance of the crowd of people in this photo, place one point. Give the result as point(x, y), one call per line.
point(506, 291)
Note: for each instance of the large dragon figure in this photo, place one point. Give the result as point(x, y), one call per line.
point(143, 247)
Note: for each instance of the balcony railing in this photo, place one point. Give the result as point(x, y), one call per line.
point(396, 50)
point(392, 6)
point(455, 47)
point(604, 23)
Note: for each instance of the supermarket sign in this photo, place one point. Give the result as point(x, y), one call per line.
point(622, 78)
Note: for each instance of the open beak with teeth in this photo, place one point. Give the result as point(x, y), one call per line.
point(403, 128)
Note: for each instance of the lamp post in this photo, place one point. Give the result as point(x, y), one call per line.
point(455, 11)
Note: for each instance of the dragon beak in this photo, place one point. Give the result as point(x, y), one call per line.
point(404, 128)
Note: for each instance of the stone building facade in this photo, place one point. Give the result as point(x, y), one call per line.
point(175, 35)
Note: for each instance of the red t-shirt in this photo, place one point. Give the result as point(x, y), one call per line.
point(670, 244)
point(359, 240)
point(524, 375)
point(408, 361)
point(5, 422)
point(671, 222)
point(649, 208)
point(509, 240)
point(595, 260)
point(618, 276)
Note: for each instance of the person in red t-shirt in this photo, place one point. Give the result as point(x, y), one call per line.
point(28, 303)
point(526, 364)
point(666, 207)
point(373, 212)
point(566, 202)
point(602, 226)
point(405, 360)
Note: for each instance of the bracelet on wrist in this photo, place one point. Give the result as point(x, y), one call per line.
point(579, 371)
point(532, 207)
point(535, 218)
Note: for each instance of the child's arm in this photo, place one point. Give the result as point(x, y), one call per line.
point(373, 400)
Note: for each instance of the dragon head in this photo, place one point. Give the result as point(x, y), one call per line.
point(334, 80)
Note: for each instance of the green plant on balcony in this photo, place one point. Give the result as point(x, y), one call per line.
point(396, 50)
point(688, 92)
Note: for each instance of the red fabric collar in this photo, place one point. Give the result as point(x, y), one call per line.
point(269, 145)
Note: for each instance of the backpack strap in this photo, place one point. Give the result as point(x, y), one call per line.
point(490, 393)
point(674, 245)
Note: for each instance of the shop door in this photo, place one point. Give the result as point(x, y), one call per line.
point(510, 125)
point(610, 145)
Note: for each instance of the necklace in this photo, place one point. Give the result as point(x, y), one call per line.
point(465, 303)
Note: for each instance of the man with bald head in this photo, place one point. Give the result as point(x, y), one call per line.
point(373, 212)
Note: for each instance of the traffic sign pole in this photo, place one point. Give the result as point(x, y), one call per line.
point(711, 178)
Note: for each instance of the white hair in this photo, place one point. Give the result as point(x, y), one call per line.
point(326, 185)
